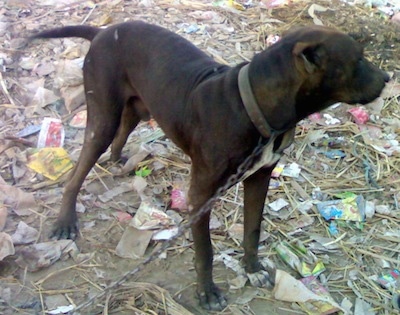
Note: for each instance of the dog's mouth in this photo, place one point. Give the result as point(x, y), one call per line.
point(368, 87)
point(368, 96)
point(364, 100)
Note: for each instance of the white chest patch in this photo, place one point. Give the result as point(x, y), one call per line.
point(268, 158)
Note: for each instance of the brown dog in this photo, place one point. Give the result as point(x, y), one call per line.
point(214, 113)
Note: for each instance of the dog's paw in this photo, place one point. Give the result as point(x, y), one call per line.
point(213, 299)
point(265, 277)
point(261, 273)
point(260, 279)
point(64, 231)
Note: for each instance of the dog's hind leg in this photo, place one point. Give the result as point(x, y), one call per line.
point(104, 115)
point(129, 121)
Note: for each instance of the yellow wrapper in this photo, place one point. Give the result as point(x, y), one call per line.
point(50, 162)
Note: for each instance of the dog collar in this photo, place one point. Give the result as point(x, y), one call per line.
point(257, 117)
point(251, 106)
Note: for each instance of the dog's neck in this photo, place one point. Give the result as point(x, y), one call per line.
point(258, 118)
point(252, 107)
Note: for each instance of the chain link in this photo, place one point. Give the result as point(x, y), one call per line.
point(232, 180)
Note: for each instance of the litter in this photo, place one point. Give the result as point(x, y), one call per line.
point(50, 162)
point(300, 259)
point(51, 134)
point(351, 208)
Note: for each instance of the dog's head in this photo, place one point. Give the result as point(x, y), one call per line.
point(311, 68)
point(334, 65)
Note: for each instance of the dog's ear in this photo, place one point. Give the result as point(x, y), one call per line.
point(309, 56)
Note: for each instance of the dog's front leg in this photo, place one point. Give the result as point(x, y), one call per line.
point(201, 190)
point(210, 296)
point(255, 191)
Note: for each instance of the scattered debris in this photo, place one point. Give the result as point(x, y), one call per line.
point(6, 246)
point(3, 217)
point(178, 198)
point(351, 208)
point(17, 199)
point(50, 162)
point(79, 120)
point(299, 259)
point(278, 204)
point(24, 234)
point(359, 114)
point(133, 243)
point(51, 134)
point(41, 255)
point(289, 289)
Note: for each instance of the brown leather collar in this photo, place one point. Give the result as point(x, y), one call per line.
point(257, 117)
point(251, 106)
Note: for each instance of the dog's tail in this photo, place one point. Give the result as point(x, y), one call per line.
point(83, 31)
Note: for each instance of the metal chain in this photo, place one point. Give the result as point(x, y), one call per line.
point(232, 180)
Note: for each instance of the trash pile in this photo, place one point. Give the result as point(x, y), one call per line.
point(331, 225)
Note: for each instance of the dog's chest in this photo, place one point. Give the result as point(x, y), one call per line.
point(270, 156)
point(267, 158)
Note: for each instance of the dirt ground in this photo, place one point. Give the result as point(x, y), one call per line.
point(231, 38)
